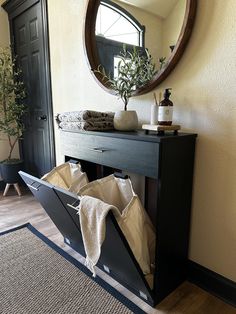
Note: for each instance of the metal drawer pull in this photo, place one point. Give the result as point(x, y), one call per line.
point(32, 187)
point(99, 150)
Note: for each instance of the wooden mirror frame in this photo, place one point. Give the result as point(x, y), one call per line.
point(92, 53)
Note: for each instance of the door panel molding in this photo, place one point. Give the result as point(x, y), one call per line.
point(16, 8)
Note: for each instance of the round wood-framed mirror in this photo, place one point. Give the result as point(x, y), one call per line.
point(97, 37)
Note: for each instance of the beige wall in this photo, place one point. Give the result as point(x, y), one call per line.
point(204, 102)
point(4, 42)
point(4, 27)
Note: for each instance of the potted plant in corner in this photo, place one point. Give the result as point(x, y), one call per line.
point(134, 70)
point(12, 109)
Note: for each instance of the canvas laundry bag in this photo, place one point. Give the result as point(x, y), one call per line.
point(115, 194)
point(67, 176)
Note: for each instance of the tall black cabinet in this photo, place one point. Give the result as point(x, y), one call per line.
point(167, 163)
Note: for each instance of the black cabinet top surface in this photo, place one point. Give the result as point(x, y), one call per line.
point(137, 135)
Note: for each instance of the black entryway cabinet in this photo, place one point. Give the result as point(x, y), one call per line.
point(167, 163)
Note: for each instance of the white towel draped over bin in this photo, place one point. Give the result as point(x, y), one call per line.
point(117, 195)
point(67, 176)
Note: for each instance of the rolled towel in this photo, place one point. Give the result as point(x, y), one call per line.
point(84, 115)
point(87, 125)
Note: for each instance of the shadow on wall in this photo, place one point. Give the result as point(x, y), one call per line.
point(201, 39)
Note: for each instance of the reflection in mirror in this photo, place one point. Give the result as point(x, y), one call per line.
point(163, 27)
point(147, 24)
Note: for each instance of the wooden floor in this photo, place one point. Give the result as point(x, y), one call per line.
point(187, 299)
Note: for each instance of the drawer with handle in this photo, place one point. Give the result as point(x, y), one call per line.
point(120, 153)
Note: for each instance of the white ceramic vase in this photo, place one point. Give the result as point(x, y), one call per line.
point(126, 120)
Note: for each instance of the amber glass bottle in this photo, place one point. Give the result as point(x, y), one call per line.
point(165, 110)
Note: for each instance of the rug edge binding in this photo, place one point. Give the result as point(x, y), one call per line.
point(116, 294)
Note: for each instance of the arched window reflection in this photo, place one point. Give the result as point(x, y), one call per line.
point(114, 28)
point(114, 23)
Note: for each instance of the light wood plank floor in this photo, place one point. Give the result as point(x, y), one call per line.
point(187, 299)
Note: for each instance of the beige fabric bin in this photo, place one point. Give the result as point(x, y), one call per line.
point(132, 218)
point(67, 176)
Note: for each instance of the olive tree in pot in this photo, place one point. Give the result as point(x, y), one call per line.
point(134, 70)
point(12, 110)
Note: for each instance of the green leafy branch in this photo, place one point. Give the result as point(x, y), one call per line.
point(134, 70)
point(12, 96)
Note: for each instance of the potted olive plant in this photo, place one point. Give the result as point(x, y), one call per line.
point(12, 109)
point(134, 70)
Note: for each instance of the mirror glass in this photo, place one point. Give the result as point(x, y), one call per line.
point(154, 25)
point(161, 27)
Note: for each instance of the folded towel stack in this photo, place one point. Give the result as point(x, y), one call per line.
point(87, 120)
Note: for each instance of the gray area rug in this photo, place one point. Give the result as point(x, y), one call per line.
point(36, 276)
